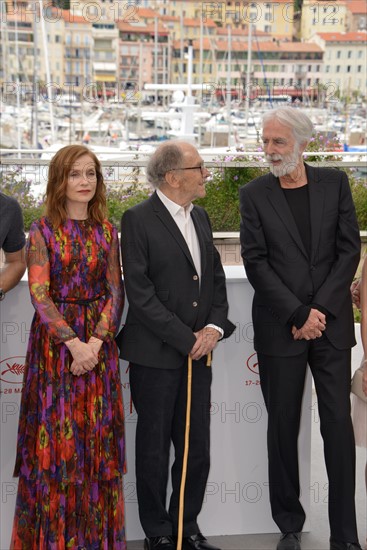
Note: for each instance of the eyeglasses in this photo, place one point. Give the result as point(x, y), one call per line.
point(201, 168)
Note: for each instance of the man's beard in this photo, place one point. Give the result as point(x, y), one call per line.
point(289, 163)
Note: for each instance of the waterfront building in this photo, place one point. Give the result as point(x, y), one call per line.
point(345, 61)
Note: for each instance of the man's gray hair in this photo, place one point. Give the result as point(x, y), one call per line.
point(295, 119)
point(166, 157)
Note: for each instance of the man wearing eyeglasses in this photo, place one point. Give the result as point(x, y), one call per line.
point(178, 307)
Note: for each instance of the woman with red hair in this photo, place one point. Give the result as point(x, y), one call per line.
point(71, 448)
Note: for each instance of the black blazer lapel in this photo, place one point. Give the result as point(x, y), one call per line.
point(166, 218)
point(317, 198)
point(199, 231)
point(280, 205)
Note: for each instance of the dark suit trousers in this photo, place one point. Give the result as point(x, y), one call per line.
point(159, 396)
point(282, 382)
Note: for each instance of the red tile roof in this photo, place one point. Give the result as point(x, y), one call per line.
point(357, 6)
point(146, 13)
point(196, 22)
point(147, 28)
point(300, 47)
point(70, 17)
point(357, 36)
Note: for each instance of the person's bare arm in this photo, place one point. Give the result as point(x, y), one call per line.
point(13, 269)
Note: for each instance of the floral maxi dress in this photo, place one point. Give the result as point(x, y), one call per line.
point(71, 448)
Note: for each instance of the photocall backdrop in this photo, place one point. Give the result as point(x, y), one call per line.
point(237, 496)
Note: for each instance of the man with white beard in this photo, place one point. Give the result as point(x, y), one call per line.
point(301, 247)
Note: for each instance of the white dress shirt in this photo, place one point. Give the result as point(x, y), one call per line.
point(183, 220)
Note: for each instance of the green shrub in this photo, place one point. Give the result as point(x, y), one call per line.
point(120, 200)
point(359, 193)
point(15, 184)
point(357, 315)
point(221, 200)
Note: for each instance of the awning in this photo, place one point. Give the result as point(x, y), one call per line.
point(105, 78)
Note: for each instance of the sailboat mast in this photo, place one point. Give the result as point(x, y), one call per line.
point(156, 59)
point(229, 89)
point(5, 45)
point(248, 75)
point(48, 73)
point(201, 58)
point(17, 82)
point(34, 123)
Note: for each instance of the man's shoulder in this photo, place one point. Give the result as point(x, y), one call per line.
point(9, 202)
point(10, 211)
point(325, 173)
point(200, 210)
point(140, 207)
point(253, 185)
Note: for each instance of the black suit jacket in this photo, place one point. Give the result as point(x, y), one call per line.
point(281, 271)
point(166, 301)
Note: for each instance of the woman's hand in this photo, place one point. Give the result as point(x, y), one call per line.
point(95, 344)
point(82, 353)
point(77, 368)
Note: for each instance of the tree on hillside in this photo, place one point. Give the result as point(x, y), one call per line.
point(298, 5)
point(63, 4)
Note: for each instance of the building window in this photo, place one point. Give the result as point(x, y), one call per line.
point(338, 54)
point(338, 68)
point(349, 54)
point(359, 69)
point(359, 54)
point(348, 68)
point(327, 68)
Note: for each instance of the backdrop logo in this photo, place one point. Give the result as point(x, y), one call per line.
point(252, 363)
point(12, 369)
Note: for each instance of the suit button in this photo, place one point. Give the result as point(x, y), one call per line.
point(195, 304)
point(195, 277)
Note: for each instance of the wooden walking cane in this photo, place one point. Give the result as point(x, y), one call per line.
point(186, 449)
